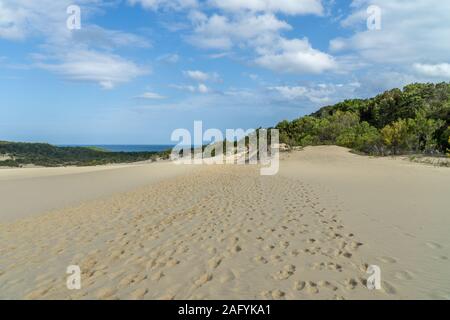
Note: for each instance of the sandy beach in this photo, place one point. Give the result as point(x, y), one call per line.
point(161, 231)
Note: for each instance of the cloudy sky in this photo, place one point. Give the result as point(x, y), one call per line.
point(138, 69)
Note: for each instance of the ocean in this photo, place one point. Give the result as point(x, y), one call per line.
point(127, 147)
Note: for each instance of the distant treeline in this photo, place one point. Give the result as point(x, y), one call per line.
point(16, 154)
point(413, 120)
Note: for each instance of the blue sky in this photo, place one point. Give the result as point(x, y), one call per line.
point(139, 69)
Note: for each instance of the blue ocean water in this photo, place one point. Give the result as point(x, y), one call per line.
point(128, 147)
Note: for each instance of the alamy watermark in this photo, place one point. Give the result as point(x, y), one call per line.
point(374, 280)
point(74, 279)
point(237, 146)
point(73, 22)
point(374, 18)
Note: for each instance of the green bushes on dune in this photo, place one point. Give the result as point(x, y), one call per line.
point(42, 154)
point(413, 120)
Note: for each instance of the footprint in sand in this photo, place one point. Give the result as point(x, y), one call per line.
point(312, 250)
point(213, 263)
point(227, 276)
point(347, 254)
point(274, 294)
point(288, 270)
point(355, 245)
point(387, 260)
point(203, 279)
point(158, 275)
point(327, 285)
point(388, 288)
point(434, 245)
point(138, 294)
point(350, 284)
point(310, 287)
point(299, 285)
point(36, 294)
point(260, 259)
point(276, 258)
point(404, 275)
point(105, 293)
point(327, 266)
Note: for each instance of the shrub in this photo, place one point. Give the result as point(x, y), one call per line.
point(448, 150)
point(362, 137)
point(399, 136)
point(425, 130)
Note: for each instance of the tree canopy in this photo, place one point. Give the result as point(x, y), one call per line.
point(413, 120)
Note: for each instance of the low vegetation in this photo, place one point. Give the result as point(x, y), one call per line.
point(46, 155)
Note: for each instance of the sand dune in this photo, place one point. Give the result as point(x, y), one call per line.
point(225, 232)
point(24, 192)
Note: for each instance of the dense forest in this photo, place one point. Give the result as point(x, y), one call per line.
point(415, 120)
point(18, 154)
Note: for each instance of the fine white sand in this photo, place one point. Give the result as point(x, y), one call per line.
point(35, 190)
point(226, 232)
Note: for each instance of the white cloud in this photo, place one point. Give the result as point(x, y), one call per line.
point(412, 45)
point(203, 88)
point(165, 4)
point(108, 70)
point(20, 18)
point(9, 22)
point(290, 93)
point(201, 76)
point(378, 80)
point(253, 76)
point(189, 88)
point(169, 58)
point(219, 55)
point(222, 32)
point(200, 88)
point(290, 7)
point(441, 70)
point(318, 94)
point(150, 96)
point(220, 43)
point(253, 25)
point(72, 54)
point(260, 33)
point(294, 56)
point(96, 36)
point(411, 32)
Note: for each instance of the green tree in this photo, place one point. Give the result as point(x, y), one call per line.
point(398, 136)
point(448, 150)
point(337, 124)
point(415, 119)
point(425, 130)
